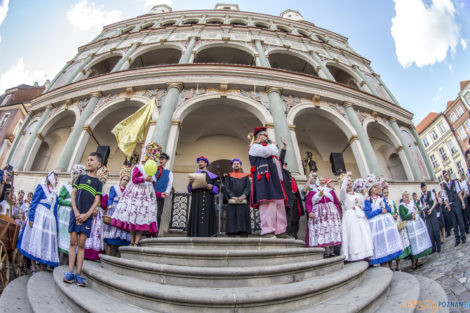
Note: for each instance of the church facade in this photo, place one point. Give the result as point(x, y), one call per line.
point(216, 75)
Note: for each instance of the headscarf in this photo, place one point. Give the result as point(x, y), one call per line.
point(103, 172)
point(152, 151)
point(77, 170)
point(51, 179)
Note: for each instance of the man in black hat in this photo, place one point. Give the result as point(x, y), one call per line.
point(429, 204)
point(163, 184)
point(454, 204)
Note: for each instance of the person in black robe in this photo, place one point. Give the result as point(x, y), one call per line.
point(429, 204)
point(202, 218)
point(237, 191)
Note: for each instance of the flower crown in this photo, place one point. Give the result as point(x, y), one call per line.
point(152, 151)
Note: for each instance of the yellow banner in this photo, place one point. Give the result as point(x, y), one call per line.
point(133, 129)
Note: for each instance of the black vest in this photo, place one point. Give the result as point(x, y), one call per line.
point(428, 202)
point(452, 194)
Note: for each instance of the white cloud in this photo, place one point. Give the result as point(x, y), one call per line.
point(18, 74)
point(451, 68)
point(463, 42)
point(424, 33)
point(3, 10)
point(438, 97)
point(86, 16)
point(151, 3)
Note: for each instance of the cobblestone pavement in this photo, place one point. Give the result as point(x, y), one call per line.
point(450, 268)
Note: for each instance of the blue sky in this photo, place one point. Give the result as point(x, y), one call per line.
point(419, 47)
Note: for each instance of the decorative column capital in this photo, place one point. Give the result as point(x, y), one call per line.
point(176, 123)
point(129, 92)
point(352, 139)
point(355, 66)
point(91, 55)
point(376, 75)
point(270, 89)
point(68, 103)
point(392, 119)
point(399, 148)
point(137, 43)
point(292, 127)
point(196, 37)
point(316, 101)
point(411, 127)
point(256, 55)
point(88, 130)
point(50, 107)
point(179, 86)
point(97, 94)
point(346, 104)
point(153, 122)
point(269, 125)
point(40, 137)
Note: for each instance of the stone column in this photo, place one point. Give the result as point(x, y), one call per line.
point(365, 80)
point(281, 128)
point(322, 65)
point(124, 58)
point(33, 137)
point(186, 57)
point(162, 129)
point(359, 155)
point(68, 150)
point(57, 76)
point(79, 69)
point(385, 87)
point(369, 153)
point(295, 144)
point(406, 149)
point(262, 57)
point(17, 138)
point(423, 152)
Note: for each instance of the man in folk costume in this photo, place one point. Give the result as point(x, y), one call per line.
point(429, 204)
point(454, 203)
point(163, 184)
point(267, 190)
point(237, 191)
point(202, 219)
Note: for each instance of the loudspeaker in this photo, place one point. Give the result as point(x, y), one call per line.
point(104, 152)
point(337, 163)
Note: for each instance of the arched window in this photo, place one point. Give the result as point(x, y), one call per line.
point(304, 34)
point(291, 63)
point(283, 29)
point(238, 23)
point(168, 23)
point(214, 22)
point(159, 56)
point(190, 22)
point(147, 25)
point(262, 25)
point(228, 55)
point(127, 29)
point(103, 67)
point(343, 77)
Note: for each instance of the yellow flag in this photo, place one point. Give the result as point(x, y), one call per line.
point(133, 129)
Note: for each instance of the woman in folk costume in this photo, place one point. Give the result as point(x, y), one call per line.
point(65, 207)
point(114, 236)
point(356, 237)
point(401, 225)
point(385, 236)
point(417, 232)
point(324, 223)
point(136, 211)
point(38, 241)
point(94, 245)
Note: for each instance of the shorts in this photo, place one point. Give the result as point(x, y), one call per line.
point(84, 228)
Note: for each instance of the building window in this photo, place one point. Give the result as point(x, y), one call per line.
point(459, 167)
point(440, 178)
point(460, 111)
point(467, 97)
point(467, 125)
point(433, 161)
point(4, 119)
point(434, 134)
point(452, 147)
point(6, 99)
point(462, 133)
point(453, 117)
point(425, 142)
point(443, 153)
point(442, 128)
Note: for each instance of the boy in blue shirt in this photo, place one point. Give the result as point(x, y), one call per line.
point(87, 190)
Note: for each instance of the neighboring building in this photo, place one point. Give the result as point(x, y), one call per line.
point(13, 110)
point(216, 75)
point(441, 145)
point(457, 114)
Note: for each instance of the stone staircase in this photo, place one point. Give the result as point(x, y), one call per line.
point(221, 275)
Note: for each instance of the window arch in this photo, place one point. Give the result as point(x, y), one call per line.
point(291, 62)
point(228, 55)
point(343, 77)
point(103, 67)
point(303, 34)
point(238, 22)
point(283, 29)
point(127, 29)
point(214, 21)
point(159, 56)
point(168, 23)
point(262, 25)
point(146, 25)
point(191, 21)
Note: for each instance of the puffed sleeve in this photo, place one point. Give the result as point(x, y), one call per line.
point(37, 196)
point(64, 197)
point(368, 210)
point(112, 195)
point(308, 201)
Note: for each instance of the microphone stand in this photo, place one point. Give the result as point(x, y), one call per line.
point(221, 203)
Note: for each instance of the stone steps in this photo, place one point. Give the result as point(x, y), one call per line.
point(220, 258)
point(432, 291)
point(222, 277)
point(222, 243)
point(405, 287)
point(42, 295)
point(168, 298)
point(14, 295)
point(87, 299)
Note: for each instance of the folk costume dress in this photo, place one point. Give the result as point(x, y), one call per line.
point(403, 232)
point(325, 228)
point(39, 243)
point(417, 232)
point(63, 218)
point(355, 230)
point(385, 236)
point(137, 208)
point(94, 245)
point(113, 235)
point(238, 218)
point(267, 191)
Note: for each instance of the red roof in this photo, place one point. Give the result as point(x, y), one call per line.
point(463, 84)
point(431, 117)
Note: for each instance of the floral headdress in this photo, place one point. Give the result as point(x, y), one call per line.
point(103, 172)
point(152, 151)
point(77, 170)
point(125, 171)
point(359, 185)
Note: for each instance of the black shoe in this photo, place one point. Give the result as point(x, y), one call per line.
point(464, 240)
point(457, 243)
point(438, 250)
point(448, 235)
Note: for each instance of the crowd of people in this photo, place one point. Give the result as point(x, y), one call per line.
point(81, 222)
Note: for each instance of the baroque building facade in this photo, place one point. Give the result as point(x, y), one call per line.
point(217, 74)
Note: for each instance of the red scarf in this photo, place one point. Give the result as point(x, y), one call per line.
point(159, 171)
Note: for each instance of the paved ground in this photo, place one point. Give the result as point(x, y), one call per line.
point(450, 268)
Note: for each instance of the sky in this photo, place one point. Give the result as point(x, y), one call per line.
point(419, 47)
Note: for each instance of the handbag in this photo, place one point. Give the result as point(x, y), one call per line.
point(401, 225)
